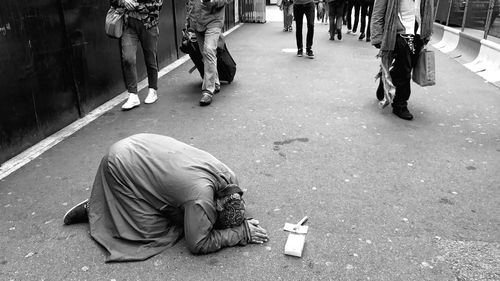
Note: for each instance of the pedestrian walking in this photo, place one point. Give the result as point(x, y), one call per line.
point(335, 14)
point(400, 28)
point(150, 190)
point(303, 8)
point(287, 7)
point(141, 27)
point(352, 24)
point(206, 19)
point(321, 11)
point(366, 11)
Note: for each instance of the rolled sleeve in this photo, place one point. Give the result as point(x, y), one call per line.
point(202, 238)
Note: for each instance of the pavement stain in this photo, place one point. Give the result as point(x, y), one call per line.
point(288, 141)
point(471, 168)
point(213, 261)
point(446, 201)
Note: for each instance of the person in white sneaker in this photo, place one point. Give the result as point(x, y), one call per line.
point(141, 28)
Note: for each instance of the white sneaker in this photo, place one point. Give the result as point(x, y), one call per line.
point(133, 101)
point(152, 96)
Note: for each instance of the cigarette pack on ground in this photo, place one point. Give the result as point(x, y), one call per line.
point(296, 239)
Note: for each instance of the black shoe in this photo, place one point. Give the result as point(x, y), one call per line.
point(77, 214)
point(361, 36)
point(285, 29)
point(290, 29)
point(380, 90)
point(339, 34)
point(206, 99)
point(368, 39)
point(310, 54)
point(300, 53)
point(332, 38)
point(402, 112)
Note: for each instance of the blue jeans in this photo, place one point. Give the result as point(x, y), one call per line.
point(134, 33)
point(207, 41)
point(299, 10)
point(335, 13)
point(287, 16)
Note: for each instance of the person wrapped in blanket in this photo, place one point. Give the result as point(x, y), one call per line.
point(150, 190)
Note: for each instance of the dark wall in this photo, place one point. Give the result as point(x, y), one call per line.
point(56, 64)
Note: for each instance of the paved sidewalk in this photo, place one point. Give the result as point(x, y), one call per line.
point(388, 199)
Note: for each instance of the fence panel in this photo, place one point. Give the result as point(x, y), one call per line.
point(37, 94)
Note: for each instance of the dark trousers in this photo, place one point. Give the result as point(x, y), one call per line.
point(366, 11)
point(404, 61)
point(335, 13)
point(299, 10)
point(134, 33)
point(356, 5)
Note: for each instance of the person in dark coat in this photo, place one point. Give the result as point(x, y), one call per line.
point(150, 190)
point(400, 29)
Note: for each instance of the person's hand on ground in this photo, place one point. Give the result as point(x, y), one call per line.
point(258, 235)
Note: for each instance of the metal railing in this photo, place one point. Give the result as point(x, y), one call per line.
point(481, 15)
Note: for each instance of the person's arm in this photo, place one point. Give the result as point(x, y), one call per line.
point(202, 238)
point(377, 22)
point(219, 3)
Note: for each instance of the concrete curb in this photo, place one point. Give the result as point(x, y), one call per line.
point(478, 55)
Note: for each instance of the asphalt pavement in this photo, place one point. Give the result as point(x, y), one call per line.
point(387, 199)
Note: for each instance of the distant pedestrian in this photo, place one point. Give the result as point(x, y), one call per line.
point(335, 14)
point(400, 28)
point(366, 11)
point(321, 11)
point(303, 8)
point(352, 24)
point(151, 190)
point(206, 19)
point(141, 28)
point(287, 7)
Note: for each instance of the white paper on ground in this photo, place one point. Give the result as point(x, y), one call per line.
point(290, 227)
point(295, 244)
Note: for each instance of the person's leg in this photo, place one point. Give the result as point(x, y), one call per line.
point(350, 4)
point(285, 19)
point(298, 14)
point(364, 9)
point(149, 44)
point(331, 17)
point(401, 78)
point(368, 33)
point(208, 45)
point(289, 10)
point(309, 12)
point(356, 16)
point(339, 11)
point(128, 47)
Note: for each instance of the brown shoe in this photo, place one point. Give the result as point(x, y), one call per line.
point(206, 99)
